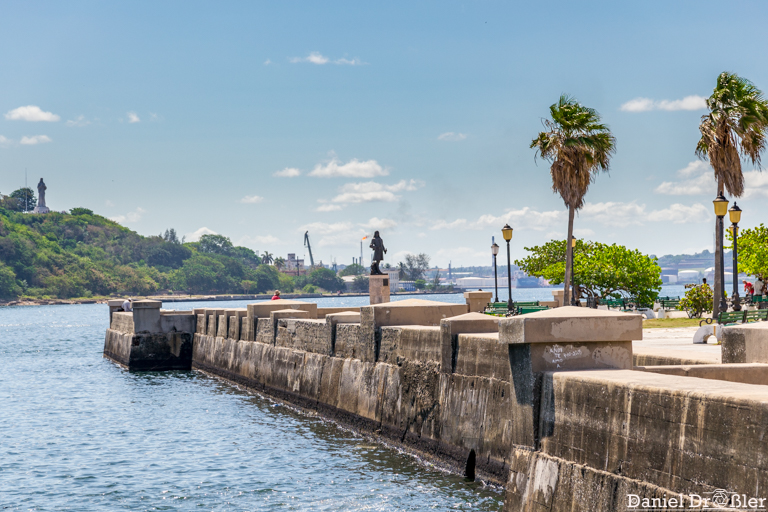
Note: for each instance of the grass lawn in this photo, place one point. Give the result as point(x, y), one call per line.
point(655, 323)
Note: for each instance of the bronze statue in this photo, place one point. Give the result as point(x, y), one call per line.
point(377, 244)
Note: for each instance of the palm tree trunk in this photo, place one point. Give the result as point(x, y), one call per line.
point(568, 251)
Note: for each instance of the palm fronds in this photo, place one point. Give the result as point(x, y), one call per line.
point(733, 129)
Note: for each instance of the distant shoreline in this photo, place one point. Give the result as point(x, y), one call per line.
point(198, 298)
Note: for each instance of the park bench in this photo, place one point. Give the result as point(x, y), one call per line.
point(529, 303)
point(497, 309)
point(726, 318)
point(522, 310)
point(666, 304)
point(613, 303)
point(756, 316)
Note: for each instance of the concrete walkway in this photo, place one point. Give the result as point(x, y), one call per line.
point(673, 346)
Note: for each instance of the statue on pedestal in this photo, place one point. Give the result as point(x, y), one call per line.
point(41, 188)
point(377, 244)
point(41, 208)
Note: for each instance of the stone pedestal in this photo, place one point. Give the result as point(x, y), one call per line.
point(378, 289)
point(557, 295)
point(41, 209)
point(476, 301)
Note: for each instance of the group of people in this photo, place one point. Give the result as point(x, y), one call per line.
point(759, 288)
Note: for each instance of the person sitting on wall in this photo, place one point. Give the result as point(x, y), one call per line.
point(276, 296)
point(127, 305)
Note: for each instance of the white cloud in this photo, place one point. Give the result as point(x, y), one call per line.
point(583, 232)
point(30, 113)
point(267, 62)
point(352, 169)
point(755, 184)
point(700, 180)
point(133, 216)
point(371, 191)
point(78, 121)
point(133, 117)
point(35, 139)
point(288, 172)
point(195, 236)
point(451, 136)
point(251, 199)
point(268, 240)
point(329, 207)
point(324, 228)
point(681, 214)
point(375, 224)
point(522, 218)
point(109, 203)
point(320, 59)
point(4, 141)
point(612, 213)
point(692, 102)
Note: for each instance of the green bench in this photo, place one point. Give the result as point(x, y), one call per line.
point(613, 303)
point(522, 310)
point(497, 309)
point(731, 317)
point(530, 303)
point(667, 304)
point(760, 315)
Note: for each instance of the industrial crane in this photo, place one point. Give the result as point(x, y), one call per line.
point(309, 248)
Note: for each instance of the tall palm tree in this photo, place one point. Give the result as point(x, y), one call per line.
point(279, 263)
point(267, 258)
point(579, 146)
point(733, 129)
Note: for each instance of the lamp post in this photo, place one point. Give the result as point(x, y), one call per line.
point(735, 215)
point(574, 301)
point(719, 305)
point(495, 251)
point(506, 231)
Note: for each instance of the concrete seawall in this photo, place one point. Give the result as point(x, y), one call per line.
point(490, 398)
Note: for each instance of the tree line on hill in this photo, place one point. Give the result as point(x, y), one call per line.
point(82, 254)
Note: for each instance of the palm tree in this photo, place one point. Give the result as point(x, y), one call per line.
point(579, 146)
point(267, 258)
point(279, 263)
point(733, 129)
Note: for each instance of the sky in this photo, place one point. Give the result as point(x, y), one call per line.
point(263, 120)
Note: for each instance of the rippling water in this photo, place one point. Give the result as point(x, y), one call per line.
point(78, 432)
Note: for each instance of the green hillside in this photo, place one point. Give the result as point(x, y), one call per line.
point(81, 254)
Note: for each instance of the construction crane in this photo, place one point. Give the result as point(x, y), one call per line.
point(309, 248)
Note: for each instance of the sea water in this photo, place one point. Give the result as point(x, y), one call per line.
point(78, 432)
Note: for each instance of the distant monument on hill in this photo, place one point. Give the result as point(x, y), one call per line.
point(41, 208)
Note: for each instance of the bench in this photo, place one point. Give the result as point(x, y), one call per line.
point(667, 304)
point(613, 303)
point(759, 315)
point(530, 303)
point(522, 310)
point(497, 309)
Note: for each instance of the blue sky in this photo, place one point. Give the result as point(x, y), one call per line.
point(262, 120)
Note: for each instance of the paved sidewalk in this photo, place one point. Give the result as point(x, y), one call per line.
point(674, 346)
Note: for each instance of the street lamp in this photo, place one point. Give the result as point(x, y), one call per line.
point(735, 214)
point(719, 304)
point(574, 302)
point(506, 232)
point(495, 251)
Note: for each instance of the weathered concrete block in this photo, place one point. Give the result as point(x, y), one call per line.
point(146, 315)
point(745, 343)
point(265, 331)
point(339, 317)
point(477, 300)
point(262, 309)
point(201, 324)
point(348, 343)
point(450, 328)
point(222, 330)
point(747, 373)
point(122, 322)
point(147, 351)
point(416, 343)
point(324, 312)
point(378, 289)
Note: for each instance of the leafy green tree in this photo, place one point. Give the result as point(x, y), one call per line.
point(26, 198)
point(200, 274)
point(752, 251)
point(9, 288)
point(279, 263)
point(170, 236)
point(420, 284)
point(352, 270)
point(697, 300)
point(310, 288)
point(734, 128)
point(326, 279)
point(80, 211)
point(600, 270)
point(215, 244)
point(248, 286)
point(360, 284)
point(579, 146)
point(268, 279)
point(415, 265)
